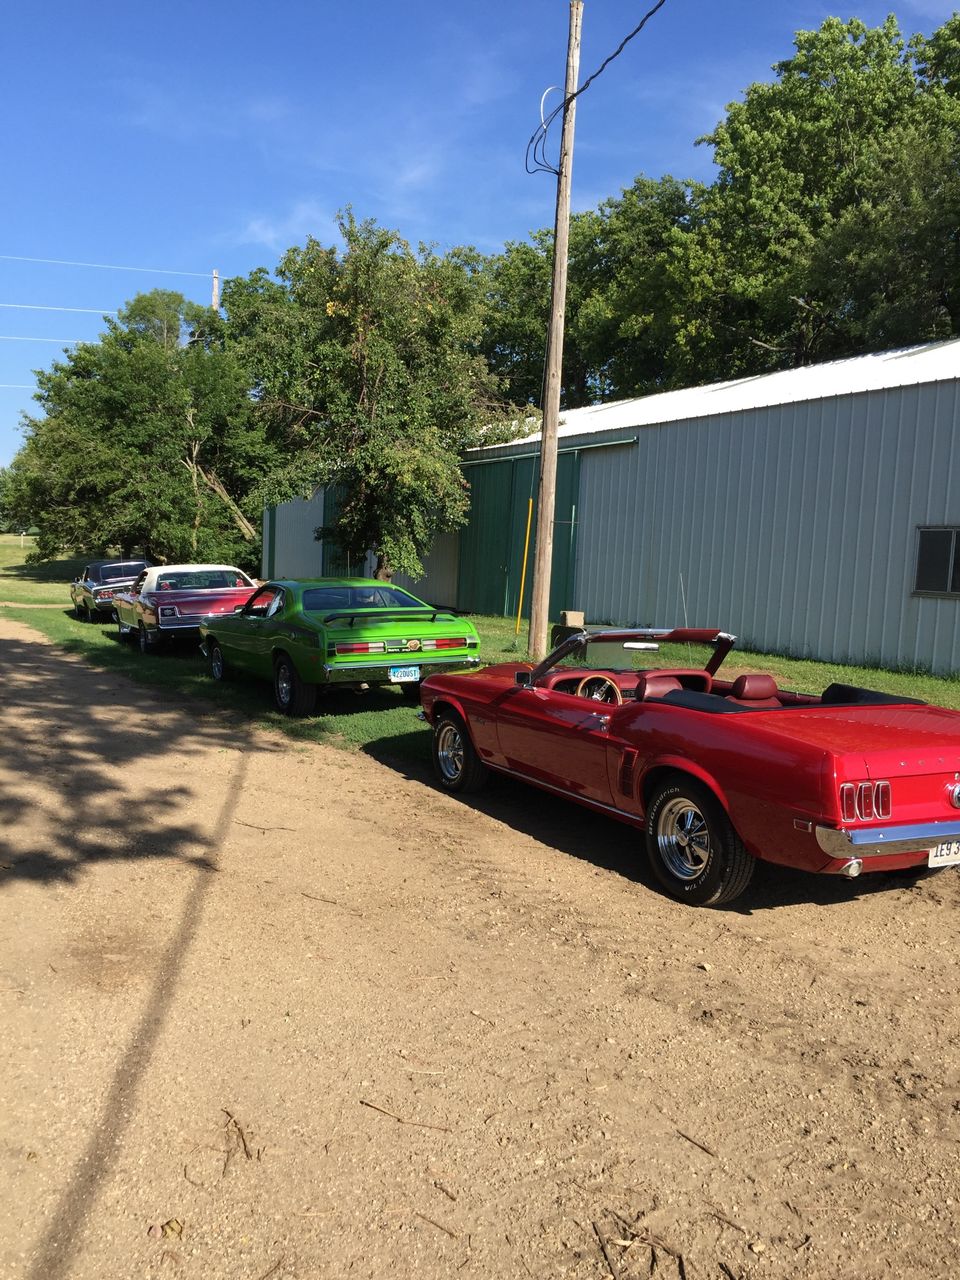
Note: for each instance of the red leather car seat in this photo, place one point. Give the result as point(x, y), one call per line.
point(755, 691)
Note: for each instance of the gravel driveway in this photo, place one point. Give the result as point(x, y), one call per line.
point(276, 1011)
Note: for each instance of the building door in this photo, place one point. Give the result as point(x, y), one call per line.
point(492, 542)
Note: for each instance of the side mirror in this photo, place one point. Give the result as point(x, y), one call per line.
point(523, 679)
point(239, 608)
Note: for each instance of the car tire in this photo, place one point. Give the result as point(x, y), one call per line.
point(455, 759)
point(410, 690)
point(143, 639)
point(123, 633)
point(291, 695)
point(87, 615)
point(693, 849)
point(218, 668)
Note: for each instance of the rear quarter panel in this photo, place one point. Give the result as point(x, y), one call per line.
point(764, 780)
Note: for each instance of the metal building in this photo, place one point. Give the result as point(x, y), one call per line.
point(814, 512)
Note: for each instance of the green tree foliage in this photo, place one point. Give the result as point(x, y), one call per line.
point(831, 229)
point(147, 441)
point(367, 370)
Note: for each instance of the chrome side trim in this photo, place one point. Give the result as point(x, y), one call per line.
point(872, 842)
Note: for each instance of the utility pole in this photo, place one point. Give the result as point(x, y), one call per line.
point(215, 303)
point(543, 561)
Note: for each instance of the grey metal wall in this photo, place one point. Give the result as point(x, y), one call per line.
point(794, 526)
point(439, 582)
point(293, 551)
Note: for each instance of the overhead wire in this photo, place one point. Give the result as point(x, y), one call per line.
point(535, 160)
point(107, 266)
point(35, 306)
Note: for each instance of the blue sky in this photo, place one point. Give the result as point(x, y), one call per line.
point(186, 137)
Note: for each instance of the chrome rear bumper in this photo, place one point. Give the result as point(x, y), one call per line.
point(871, 842)
point(379, 672)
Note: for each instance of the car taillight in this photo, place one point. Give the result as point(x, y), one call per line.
point(865, 801)
point(169, 611)
point(104, 595)
point(375, 646)
point(457, 642)
point(848, 802)
point(882, 805)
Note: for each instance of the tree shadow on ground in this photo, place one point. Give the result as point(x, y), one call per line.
point(68, 731)
point(48, 571)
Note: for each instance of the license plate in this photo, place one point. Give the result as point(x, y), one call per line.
point(399, 674)
point(944, 855)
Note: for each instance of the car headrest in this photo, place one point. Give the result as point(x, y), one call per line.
point(751, 688)
point(656, 686)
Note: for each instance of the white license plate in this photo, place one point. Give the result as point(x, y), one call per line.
point(944, 855)
point(399, 674)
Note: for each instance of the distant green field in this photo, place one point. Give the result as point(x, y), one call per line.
point(378, 721)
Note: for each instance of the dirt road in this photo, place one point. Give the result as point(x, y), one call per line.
point(280, 1011)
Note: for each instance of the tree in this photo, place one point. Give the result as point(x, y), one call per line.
point(367, 371)
point(147, 440)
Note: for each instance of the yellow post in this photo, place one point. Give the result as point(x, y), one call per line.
point(523, 575)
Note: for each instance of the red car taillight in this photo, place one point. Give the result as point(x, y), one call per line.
point(848, 802)
point(455, 643)
point(375, 646)
point(865, 801)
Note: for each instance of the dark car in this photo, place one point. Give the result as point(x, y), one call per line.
point(93, 592)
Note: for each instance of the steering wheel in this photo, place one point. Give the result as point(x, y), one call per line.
point(599, 689)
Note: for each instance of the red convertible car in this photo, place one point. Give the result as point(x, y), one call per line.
point(716, 772)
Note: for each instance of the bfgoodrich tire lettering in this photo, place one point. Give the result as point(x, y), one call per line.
point(692, 846)
point(457, 765)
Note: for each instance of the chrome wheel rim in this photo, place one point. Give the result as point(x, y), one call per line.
point(450, 752)
point(284, 685)
point(216, 664)
point(683, 839)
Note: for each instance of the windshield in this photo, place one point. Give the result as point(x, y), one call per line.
point(607, 656)
point(203, 580)
point(342, 599)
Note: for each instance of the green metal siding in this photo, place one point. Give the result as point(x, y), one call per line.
point(491, 543)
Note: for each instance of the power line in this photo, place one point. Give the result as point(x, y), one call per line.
point(6, 337)
point(31, 306)
point(106, 266)
point(535, 160)
point(17, 386)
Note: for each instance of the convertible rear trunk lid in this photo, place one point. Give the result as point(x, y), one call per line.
point(915, 748)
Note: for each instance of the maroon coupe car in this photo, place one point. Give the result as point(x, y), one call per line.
point(717, 772)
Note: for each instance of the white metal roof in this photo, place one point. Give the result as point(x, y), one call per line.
point(907, 366)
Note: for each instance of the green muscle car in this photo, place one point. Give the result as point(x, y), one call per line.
point(351, 632)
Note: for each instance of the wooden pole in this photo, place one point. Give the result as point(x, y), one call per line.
point(543, 558)
point(215, 299)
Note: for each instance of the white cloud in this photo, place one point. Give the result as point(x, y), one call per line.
point(279, 232)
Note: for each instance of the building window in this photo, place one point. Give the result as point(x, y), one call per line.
point(938, 562)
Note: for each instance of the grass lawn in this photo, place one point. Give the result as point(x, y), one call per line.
point(379, 721)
